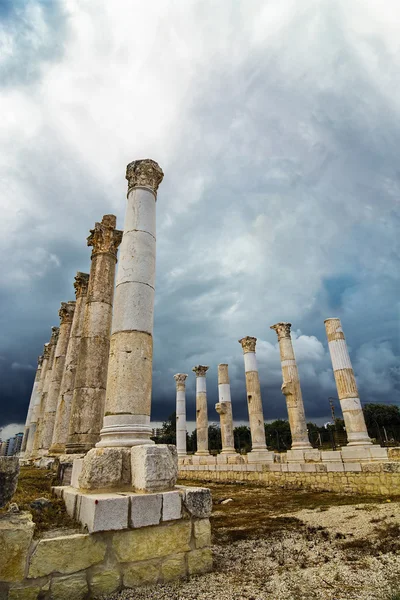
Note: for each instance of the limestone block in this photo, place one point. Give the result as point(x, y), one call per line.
point(58, 490)
point(391, 467)
point(335, 466)
point(200, 561)
point(76, 472)
point(104, 512)
point(66, 554)
point(371, 467)
point(66, 588)
point(202, 533)
point(9, 471)
point(312, 456)
point(294, 467)
point(378, 453)
point(354, 466)
point(21, 592)
point(321, 468)
point(103, 580)
point(393, 453)
point(295, 456)
point(197, 501)
point(173, 567)
point(154, 468)
point(260, 456)
point(16, 532)
point(101, 469)
point(70, 499)
point(143, 573)
point(331, 456)
point(309, 468)
point(145, 510)
point(153, 542)
point(171, 506)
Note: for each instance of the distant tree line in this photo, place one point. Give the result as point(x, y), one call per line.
point(382, 420)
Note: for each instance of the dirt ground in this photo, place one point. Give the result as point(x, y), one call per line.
point(294, 545)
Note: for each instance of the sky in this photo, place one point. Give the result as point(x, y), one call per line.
point(276, 123)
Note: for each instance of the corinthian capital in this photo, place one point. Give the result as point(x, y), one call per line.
point(200, 370)
point(144, 173)
point(104, 237)
point(282, 329)
point(248, 344)
point(81, 284)
point(180, 378)
point(66, 312)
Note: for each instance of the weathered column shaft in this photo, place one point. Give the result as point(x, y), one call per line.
point(180, 379)
point(201, 410)
point(91, 373)
point(63, 413)
point(356, 429)
point(291, 388)
point(224, 409)
point(37, 443)
point(129, 382)
point(254, 402)
point(36, 407)
point(66, 314)
point(31, 405)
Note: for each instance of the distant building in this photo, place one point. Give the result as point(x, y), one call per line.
point(18, 442)
point(10, 446)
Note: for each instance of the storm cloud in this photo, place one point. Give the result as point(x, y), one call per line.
point(277, 127)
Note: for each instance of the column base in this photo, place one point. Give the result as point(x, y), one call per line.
point(228, 451)
point(78, 448)
point(57, 449)
point(301, 446)
point(125, 431)
point(202, 453)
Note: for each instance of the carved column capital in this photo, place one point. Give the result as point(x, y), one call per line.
point(104, 237)
point(46, 351)
point(66, 312)
point(54, 335)
point(144, 173)
point(248, 344)
point(200, 370)
point(81, 284)
point(180, 378)
point(282, 329)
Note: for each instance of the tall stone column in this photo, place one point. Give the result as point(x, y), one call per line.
point(224, 409)
point(66, 314)
point(31, 405)
point(63, 413)
point(291, 388)
point(254, 402)
point(47, 375)
point(356, 429)
point(91, 373)
point(36, 406)
point(129, 381)
point(180, 379)
point(201, 410)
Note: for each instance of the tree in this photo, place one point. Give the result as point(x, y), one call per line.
point(242, 437)
point(277, 435)
point(383, 421)
point(168, 431)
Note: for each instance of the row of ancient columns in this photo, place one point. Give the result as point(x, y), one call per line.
point(357, 434)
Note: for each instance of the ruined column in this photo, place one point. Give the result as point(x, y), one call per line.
point(46, 376)
point(63, 413)
point(291, 388)
point(201, 411)
point(36, 405)
point(91, 373)
point(128, 401)
point(180, 379)
point(224, 409)
point(356, 429)
point(32, 402)
point(254, 402)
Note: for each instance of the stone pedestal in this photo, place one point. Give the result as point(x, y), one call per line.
point(356, 429)
point(291, 388)
point(88, 399)
point(254, 401)
point(201, 411)
point(224, 409)
point(66, 314)
point(63, 413)
point(180, 379)
point(32, 403)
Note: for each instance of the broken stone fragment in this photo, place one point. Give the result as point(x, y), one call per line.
point(9, 472)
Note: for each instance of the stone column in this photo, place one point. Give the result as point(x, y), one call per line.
point(201, 411)
point(36, 406)
point(91, 373)
point(180, 379)
point(128, 400)
point(63, 413)
point(46, 376)
point(224, 409)
point(254, 402)
point(31, 405)
point(291, 388)
point(66, 314)
point(346, 385)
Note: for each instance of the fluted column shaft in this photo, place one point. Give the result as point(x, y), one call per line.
point(254, 401)
point(224, 409)
point(91, 373)
point(129, 382)
point(291, 388)
point(63, 413)
point(356, 429)
point(180, 379)
point(201, 410)
point(31, 405)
